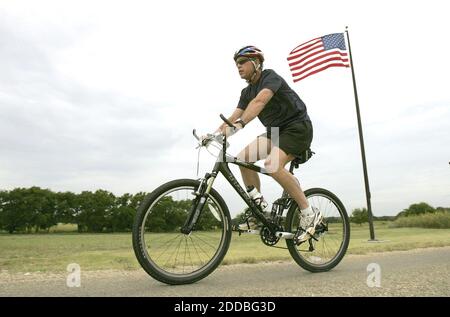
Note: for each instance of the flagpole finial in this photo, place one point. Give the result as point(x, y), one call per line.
point(346, 28)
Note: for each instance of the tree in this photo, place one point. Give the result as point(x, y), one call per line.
point(42, 203)
point(359, 216)
point(66, 207)
point(417, 209)
point(210, 219)
point(95, 209)
point(162, 216)
point(27, 209)
point(122, 219)
point(122, 215)
point(137, 199)
point(442, 209)
point(15, 213)
point(239, 218)
point(3, 202)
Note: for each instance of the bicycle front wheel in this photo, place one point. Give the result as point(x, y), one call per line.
point(167, 254)
point(327, 247)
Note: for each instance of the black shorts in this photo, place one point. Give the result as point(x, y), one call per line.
point(293, 139)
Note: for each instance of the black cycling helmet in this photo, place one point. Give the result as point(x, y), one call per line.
point(250, 52)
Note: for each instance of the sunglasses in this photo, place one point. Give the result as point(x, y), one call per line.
point(242, 61)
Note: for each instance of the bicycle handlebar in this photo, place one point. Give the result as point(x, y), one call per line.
point(195, 134)
point(205, 140)
point(226, 121)
point(219, 137)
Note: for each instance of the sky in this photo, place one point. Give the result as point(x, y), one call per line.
point(105, 94)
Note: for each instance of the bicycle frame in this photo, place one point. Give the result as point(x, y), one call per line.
point(221, 166)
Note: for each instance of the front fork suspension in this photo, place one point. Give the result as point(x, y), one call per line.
point(202, 194)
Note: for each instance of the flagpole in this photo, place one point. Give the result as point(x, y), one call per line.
point(361, 142)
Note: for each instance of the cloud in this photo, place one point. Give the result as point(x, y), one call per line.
point(53, 128)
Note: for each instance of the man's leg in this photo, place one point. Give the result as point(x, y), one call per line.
point(309, 217)
point(257, 150)
point(275, 163)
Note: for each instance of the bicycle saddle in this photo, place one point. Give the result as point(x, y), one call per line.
point(302, 158)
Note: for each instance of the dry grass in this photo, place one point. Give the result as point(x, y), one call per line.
point(53, 252)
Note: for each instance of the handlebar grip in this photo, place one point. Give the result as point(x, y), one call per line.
point(195, 134)
point(226, 120)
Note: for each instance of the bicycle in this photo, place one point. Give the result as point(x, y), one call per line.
point(183, 228)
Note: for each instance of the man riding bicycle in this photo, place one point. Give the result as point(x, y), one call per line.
point(289, 132)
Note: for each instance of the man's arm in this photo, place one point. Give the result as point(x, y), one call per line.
point(256, 105)
point(236, 115)
point(253, 109)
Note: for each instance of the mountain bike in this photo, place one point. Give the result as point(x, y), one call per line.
point(183, 228)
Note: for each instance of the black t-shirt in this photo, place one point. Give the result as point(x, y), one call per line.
point(283, 108)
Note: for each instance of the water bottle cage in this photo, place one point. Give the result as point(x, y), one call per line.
point(276, 207)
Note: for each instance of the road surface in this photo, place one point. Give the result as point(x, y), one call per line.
point(420, 272)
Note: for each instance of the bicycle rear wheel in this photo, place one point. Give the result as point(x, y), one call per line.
point(327, 247)
point(163, 251)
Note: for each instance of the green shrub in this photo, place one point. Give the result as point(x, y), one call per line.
point(436, 220)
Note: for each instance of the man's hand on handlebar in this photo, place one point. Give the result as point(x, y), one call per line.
point(224, 129)
point(206, 139)
point(229, 128)
point(221, 128)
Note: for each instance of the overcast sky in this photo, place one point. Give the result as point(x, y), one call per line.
point(105, 94)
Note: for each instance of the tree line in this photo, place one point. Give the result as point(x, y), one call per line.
point(361, 215)
point(33, 209)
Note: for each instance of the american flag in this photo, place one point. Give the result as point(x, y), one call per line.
point(317, 55)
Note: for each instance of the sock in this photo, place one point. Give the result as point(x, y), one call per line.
point(307, 211)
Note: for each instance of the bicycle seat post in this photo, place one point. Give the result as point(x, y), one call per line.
point(291, 167)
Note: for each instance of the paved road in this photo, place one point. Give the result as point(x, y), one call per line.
point(422, 272)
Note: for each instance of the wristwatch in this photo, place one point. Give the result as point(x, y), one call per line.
point(241, 122)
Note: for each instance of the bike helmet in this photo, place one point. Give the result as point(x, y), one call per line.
point(250, 52)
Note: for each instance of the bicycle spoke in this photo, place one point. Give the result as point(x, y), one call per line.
point(201, 249)
point(184, 259)
point(207, 243)
point(166, 246)
point(196, 251)
point(190, 258)
point(176, 255)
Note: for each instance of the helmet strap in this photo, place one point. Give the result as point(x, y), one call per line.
point(255, 71)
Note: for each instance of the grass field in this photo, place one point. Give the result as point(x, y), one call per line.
point(53, 252)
